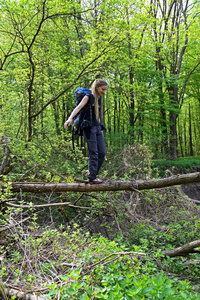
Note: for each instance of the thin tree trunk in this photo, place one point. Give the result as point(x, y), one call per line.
point(190, 132)
point(30, 96)
point(56, 118)
point(115, 116)
point(6, 155)
point(173, 136)
point(185, 135)
point(180, 138)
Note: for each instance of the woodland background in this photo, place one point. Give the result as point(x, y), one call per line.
point(148, 52)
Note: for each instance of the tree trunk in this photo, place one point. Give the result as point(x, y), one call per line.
point(180, 136)
point(185, 136)
point(173, 136)
point(131, 77)
point(190, 132)
point(56, 118)
point(30, 96)
point(5, 141)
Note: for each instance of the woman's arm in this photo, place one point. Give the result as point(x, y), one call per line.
point(76, 110)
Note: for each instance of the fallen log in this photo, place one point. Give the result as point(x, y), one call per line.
point(36, 187)
point(183, 250)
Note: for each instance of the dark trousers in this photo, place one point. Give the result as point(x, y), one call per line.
point(96, 150)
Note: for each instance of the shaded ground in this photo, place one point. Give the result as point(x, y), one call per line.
point(192, 190)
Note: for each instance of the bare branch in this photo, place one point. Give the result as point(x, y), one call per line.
point(184, 85)
point(39, 27)
point(13, 225)
point(46, 205)
point(186, 39)
point(73, 83)
point(115, 254)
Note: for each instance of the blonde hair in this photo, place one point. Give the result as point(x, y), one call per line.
point(97, 83)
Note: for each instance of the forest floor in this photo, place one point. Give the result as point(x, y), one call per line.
point(82, 254)
point(192, 190)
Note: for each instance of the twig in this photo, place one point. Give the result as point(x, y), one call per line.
point(118, 254)
point(13, 225)
point(50, 211)
point(79, 171)
point(90, 222)
point(3, 291)
point(135, 190)
point(60, 175)
point(84, 194)
point(78, 198)
point(43, 166)
point(7, 200)
point(33, 167)
point(47, 205)
point(111, 260)
point(80, 180)
point(27, 291)
point(119, 228)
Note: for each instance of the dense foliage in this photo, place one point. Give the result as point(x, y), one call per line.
point(146, 50)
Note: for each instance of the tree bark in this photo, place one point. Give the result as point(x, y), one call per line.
point(36, 187)
point(5, 141)
point(5, 159)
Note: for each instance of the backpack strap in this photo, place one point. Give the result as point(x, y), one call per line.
point(90, 107)
point(90, 113)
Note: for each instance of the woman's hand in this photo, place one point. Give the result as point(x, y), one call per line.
point(68, 122)
point(76, 110)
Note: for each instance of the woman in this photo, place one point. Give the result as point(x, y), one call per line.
point(93, 134)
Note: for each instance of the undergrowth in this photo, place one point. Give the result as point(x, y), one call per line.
point(110, 245)
point(71, 264)
point(180, 166)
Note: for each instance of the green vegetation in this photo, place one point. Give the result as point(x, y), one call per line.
point(181, 166)
point(113, 250)
point(72, 264)
point(150, 61)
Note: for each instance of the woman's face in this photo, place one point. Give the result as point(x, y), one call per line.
point(101, 90)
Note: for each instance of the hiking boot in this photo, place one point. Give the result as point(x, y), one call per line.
point(96, 181)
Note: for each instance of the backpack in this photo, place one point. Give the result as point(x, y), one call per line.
point(78, 119)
